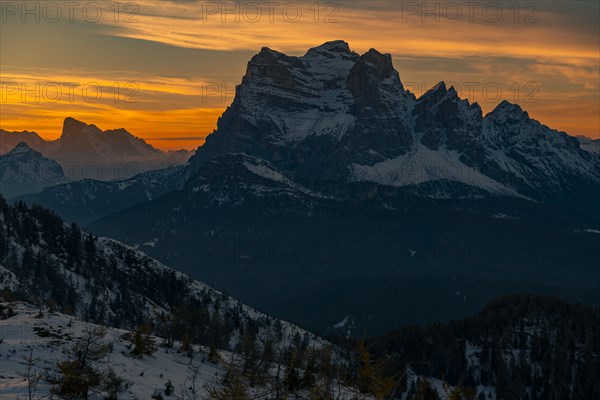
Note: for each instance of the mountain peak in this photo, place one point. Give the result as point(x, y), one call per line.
point(334, 46)
point(441, 92)
point(506, 107)
point(438, 87)
point(21, 147)
point(23, 170)
point(71, 125)
point(268, 52)
point(383, 62)
point(437, 93)
point(327, 94)
point(72, 128)
point(121, 132)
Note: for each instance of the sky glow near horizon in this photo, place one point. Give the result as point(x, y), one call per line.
point(166, 70)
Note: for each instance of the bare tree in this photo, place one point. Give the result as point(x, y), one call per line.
point(192, 394)
point(31, 374)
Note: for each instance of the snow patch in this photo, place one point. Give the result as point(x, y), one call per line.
point(424, 165)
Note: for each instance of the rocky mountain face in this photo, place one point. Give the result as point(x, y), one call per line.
point(314, 115)
point(343, 124)
point(86, 152)
point(539, 162)
point(335, 115)
point(23, 170)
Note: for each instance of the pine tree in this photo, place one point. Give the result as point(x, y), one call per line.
point(371, 378)
point(292, 377)
point(78, 375)
point(143, 341)
point(233, 388)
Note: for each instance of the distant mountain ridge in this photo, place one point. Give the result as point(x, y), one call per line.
point(87, 152)
point(588, 144)
point(86, 200)
point(24, 170)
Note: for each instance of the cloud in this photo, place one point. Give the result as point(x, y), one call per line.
point(391, 26)
point(180, 62)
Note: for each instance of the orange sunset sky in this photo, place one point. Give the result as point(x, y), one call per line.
point(166, 70)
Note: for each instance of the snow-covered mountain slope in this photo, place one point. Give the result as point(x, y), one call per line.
point(48, 338)
point(86, 200)
point(237, 178)
point(335, 115)
point(45, 260)
point(591, 145)
point(536, 160)
point(518, 347)
point(424, 165)
point(85, 151)
point(23, 170)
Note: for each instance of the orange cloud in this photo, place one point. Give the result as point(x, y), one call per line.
point(148, 106)
point(557, 52)
point(392, 27)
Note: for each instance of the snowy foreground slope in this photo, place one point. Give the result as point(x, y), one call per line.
point(24, 333)
point(59, 267)
point(49, 338)
point(44, 260)
point(89, 282)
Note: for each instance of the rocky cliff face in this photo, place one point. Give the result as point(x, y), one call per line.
point(540, 162)
point(314, 115)
point(335, 115)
